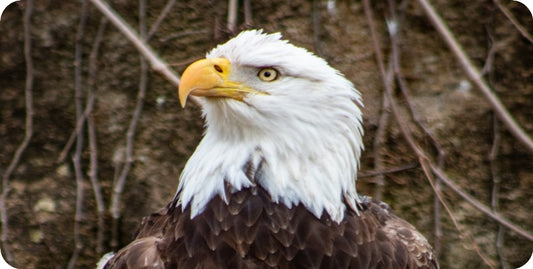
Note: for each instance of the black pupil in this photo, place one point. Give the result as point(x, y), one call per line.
point(267, 74)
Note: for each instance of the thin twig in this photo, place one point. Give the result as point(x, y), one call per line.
point(437, 219)
point(78, 217)
point(394, 25)
point(182, 34)
point(93, 175)
point(315, 17)
point(88, 109)
point(426, 164)
point(28, 93)
point(480, 206)
point(378, 142)
point(500, 111)
point(232, 15)
point(79, 125)
point(514, 21)
point(422, 157)
point(425, 161)
point(500, 246)
point(157, 64)
point(160, 18)
point(387, 171)
point(93, 164)
point(407, 95)
point(118, 188)
point(495, 197)
point(381, 134)
point(493, 155)
point(487, 67)
point(76, 159)
point(476, 77)
point(248, 12)
point(387, 82)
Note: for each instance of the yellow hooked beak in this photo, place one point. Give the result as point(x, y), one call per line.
point(209, 77)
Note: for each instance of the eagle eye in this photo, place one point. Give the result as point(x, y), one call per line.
point(268, 74)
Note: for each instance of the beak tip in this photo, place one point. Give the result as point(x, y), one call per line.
point(183, 99)
point(183, 94)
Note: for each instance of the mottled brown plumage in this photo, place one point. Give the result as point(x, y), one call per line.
point(252, 232)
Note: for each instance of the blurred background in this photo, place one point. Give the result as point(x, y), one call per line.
point(92, 140)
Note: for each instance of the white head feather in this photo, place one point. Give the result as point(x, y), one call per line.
point(306, 132)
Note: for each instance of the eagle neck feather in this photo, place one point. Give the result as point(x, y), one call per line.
point(319, 175)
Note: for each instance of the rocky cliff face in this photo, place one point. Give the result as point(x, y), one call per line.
point(74, 61)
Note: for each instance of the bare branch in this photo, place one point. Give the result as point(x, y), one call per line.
point(93, 164)
point(387, 171)
point(487, 67)
point(437, 219)
point(493, 155)
point(495, 197)
point(118, 187)
point(79, 125)
point(28, 92)
point(387, 82)
point(476, 77)
point(157, 64)
point(465, 235)
point(88, 109)
point(232, 15)
point(248, 12)
point(381, 132)
point(514, 21)
point(78, 244)
point(480, 206)
point(316, 27)
point(424, 160)
point(182, 34)
point(379, 139)
point(160, 18)
point(93, 175)
point(394, 25)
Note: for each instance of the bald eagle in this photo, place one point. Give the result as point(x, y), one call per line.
point(272, 183)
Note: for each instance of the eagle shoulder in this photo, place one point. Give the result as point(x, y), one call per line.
point(397, 230)
point(144, 251)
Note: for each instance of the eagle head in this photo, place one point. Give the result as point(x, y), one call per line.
point(280, 109)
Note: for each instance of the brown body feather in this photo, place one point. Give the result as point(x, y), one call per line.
point(253, 232)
